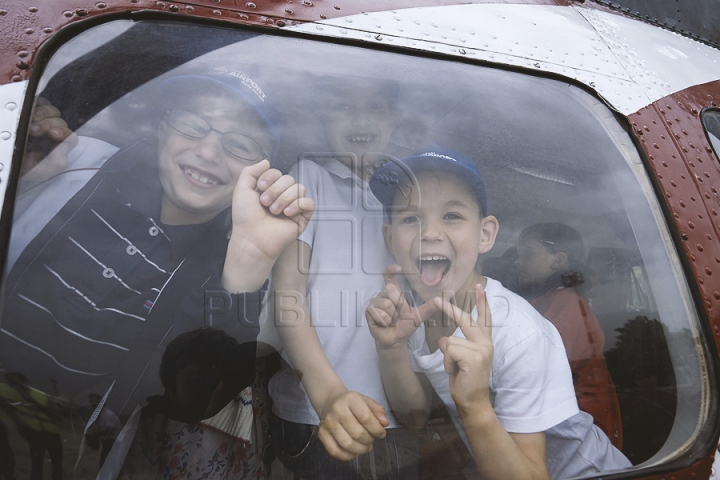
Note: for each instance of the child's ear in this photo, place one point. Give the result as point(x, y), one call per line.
point(560, 261)
point(490, 227)
point(387, 233)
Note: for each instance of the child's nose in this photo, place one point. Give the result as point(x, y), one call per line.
point(210, 147)
point(361, 117)
point(431, 230)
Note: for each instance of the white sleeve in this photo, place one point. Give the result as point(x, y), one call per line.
point(532, 385)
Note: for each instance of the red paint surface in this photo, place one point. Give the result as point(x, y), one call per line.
point(688, 173)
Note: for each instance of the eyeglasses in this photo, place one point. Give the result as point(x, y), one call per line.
point(196, 127)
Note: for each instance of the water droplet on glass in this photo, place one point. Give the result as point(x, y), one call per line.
point(29, 31)
point(5, 135)
point(68, 13)
point(250, 5)
point(101, 5)
point(32, 9)
point(47, 30)
point(11, 106)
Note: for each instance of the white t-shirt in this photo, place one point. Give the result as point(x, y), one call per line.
point(346, 265)
point(531, 387)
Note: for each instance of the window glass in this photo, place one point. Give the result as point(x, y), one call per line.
point(711, 122)
point(138, 333)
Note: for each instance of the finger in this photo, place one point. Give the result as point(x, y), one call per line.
point(250, 175)
point(453, 312)
point(54, 128)
point(294, 192)
point(304, 206)
point(46, 110)
point(379, 412)
point(449, 362)
point(482, 329)
point(332, 447)
point(283, 185)
point(369, 414)
point(396, 301)
point(390, 275)
point(350, 435)
point(428, 309)
point(268, 178)
point(42, 101)
point(378, 314)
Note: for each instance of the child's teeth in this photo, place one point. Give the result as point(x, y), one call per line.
point(202, 179)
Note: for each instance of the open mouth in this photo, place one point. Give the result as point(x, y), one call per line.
point(201, 177)
point(433, 269)
point(360, 138)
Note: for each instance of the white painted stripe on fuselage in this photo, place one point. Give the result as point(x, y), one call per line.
point(629, 63)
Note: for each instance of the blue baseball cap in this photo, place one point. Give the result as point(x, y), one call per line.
point(230, 80)
point(388, 178)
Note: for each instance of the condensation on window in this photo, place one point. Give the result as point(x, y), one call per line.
point(115, 332)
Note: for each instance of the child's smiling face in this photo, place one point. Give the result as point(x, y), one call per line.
point(436, 234)
point(198, 175)
point(360, 121)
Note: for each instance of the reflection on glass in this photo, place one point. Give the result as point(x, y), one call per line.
point(119, 249)
point(551, 274)
point(37, 417)
point(205, 374)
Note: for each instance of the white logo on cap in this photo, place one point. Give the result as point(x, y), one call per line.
point(243, 77)
point(438, 155)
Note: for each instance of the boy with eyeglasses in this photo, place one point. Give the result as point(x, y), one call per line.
point(127, 264)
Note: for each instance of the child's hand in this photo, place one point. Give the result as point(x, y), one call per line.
point(390, 318)
point(269, 209)
point(468, 360)
point(50, 142)
point(351, 424)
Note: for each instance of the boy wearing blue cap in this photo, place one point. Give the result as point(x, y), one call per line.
point(499, 367)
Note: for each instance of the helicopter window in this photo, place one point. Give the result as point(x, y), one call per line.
point(711, 122)
point(119, 335)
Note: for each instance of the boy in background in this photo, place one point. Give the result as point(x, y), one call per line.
point(322, 285)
